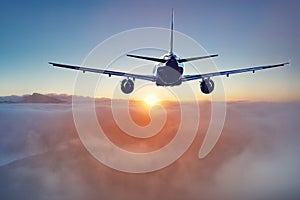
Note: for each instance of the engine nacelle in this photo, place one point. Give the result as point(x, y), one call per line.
point(207, 86)
point(127, 86)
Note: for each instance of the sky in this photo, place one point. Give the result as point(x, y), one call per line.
point(243, 33)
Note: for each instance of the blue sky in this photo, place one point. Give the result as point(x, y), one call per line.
point(243, 33)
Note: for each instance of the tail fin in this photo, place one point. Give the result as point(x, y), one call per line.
point(161, 60)
point(171, 34)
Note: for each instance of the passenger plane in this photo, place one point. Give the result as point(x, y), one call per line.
point(169, 70)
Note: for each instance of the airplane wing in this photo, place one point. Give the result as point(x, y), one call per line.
point(108, 72)
point(227, 73)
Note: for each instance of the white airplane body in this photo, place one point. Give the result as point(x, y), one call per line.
point(169, 70)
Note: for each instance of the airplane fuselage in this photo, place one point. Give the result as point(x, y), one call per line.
point(169, 73)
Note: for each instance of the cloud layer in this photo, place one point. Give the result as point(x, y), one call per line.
point(41, 157)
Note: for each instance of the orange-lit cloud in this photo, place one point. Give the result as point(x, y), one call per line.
point(256, 156)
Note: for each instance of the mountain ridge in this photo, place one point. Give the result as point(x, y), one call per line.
point(33, 98)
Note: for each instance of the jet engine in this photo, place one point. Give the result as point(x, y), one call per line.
point(207, 86)
point(127, 86)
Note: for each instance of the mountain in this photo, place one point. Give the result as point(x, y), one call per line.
point(48, 98)
point(39, 98)
point(11, 99)
point(34, 98)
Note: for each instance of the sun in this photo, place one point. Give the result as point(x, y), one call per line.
point(151, 100)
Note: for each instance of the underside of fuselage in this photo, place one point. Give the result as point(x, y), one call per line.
point(169, 75)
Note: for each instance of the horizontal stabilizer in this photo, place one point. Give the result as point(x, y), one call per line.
point(196, 58)
point(147, 58)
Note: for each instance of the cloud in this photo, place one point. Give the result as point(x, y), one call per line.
point(256, 157)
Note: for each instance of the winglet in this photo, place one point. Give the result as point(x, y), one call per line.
point(286, 63)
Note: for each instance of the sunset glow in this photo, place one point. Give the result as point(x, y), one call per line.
point(151, 100)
